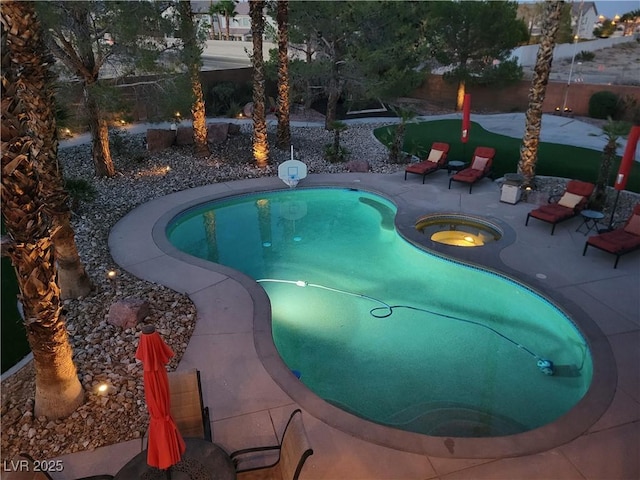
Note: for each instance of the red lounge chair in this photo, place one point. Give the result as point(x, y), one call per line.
point(480, 167)
point(437, 159)
point(565, 206)
point(619, 241)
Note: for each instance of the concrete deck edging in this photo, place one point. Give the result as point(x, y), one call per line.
point(158, 213)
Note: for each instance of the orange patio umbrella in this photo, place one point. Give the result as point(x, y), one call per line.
point(165, 445)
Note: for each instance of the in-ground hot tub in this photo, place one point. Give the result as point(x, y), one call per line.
point(458, 230)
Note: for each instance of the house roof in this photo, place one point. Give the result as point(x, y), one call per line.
point(585, 6)
point(202, 7)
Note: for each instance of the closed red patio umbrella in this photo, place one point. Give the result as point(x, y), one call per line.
point(165, 445)
point(625, 167)
point(466, 118)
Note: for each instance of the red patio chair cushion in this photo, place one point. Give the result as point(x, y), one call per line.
point(615, 241)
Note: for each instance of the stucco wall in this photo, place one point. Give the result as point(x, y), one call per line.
point(515, 98)
point(527, 54)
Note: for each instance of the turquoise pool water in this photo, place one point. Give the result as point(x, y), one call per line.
point(385, 330)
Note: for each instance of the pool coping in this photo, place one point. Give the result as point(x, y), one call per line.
point(568, 427)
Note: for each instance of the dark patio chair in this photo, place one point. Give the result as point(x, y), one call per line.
point(436, 160)
point(481, 164)
point(292, 452)
point(187, 407)
point(564, 206)
point(620, 241)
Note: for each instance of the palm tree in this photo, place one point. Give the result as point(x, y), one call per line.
point(599, 198)
point(406, 115)
point(27, 122)
point(533, 116)
point(629, 21)
point(192, 58)
point(284, 133)
point(334, 152)
point(260, 143)
point(226, 8)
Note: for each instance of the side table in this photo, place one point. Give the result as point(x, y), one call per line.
point(590, 220)
point(455, 166)
point(201, 460)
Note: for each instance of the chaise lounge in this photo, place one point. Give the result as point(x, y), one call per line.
point(480, 167)
point(620, 241)
point(565, 206)
point(436, 160)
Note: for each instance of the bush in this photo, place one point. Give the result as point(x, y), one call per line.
point(80, 191)
point(225, 95)
point(603, 105)
point(585, 56)
point(335, 156)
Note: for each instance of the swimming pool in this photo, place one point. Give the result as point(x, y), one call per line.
point(457, 356)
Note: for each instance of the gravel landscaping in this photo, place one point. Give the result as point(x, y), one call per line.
point(104, 353)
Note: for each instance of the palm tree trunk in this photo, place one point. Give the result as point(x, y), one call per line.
point(26, 89)
point(533, 116)
point(72, 277)
point(260, 143)
point(599, 198)
point(193, 59)
point(199, 117)
point(284, 131)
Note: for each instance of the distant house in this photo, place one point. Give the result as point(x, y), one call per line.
point(239, 25)
point(584, 16)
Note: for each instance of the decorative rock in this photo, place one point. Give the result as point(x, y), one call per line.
point(184, 136)
point(234, 129)
point(358, 166)
point(247, 111)
point(217, 132)
point(127, 313)
point(159, 139)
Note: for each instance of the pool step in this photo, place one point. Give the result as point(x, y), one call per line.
point(447, 419)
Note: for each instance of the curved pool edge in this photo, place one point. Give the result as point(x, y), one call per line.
point(566, 428)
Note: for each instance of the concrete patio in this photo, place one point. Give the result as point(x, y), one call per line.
point(249, 407)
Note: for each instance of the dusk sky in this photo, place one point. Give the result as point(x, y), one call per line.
point(609, 8)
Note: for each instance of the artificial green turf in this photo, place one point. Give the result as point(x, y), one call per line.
point(13, 334)
point(553, 159)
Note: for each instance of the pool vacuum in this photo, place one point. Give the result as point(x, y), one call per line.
point(543, 364)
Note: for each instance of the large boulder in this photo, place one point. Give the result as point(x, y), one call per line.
point(234, 129)
point(159, 139)
point(247, 110)
point(184, 136)
point(128, 313)
point(358, 166)
point(217, 132)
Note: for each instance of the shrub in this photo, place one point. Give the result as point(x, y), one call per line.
point(224, 95)
point(79, 190)
point(585, 56)
point(335, 156)
point(233, 110)
point(603, 104)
